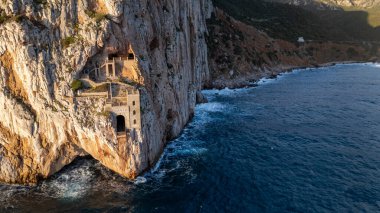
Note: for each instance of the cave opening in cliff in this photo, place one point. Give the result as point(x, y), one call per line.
point(120, 123)
point(131, 56)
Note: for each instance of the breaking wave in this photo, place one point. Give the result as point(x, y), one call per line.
point(376, 65)
point(72, 183)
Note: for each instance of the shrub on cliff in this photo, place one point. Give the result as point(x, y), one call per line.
point(101, 88)
point(95, 15)
point(76, 85)
point(351, 52)
point(41, 2)
point(3, 17)
point(66, 42)
point(105, 113)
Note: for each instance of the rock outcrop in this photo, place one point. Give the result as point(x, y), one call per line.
point(46, 44)
point(332, 4)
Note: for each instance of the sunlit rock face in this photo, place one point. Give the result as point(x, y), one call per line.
point(45, 45)
point(332, 4)
point(355, 3)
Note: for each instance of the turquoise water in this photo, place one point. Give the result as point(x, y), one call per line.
point(308, 141)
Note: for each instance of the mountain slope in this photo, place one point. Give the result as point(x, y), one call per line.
point(240, 54)
point(288, 21)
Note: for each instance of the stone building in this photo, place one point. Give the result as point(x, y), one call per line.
point(114, 79)
point(117, 67)
point(124, 103)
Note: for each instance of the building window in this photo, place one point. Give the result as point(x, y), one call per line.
point(133, 103)
point(110, 69)
point(134, 121)
point(131, 56)
point(134, 112)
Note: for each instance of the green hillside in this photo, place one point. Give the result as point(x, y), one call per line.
point(290, 22)
point(373, 15)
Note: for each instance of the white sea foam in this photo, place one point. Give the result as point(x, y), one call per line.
point(8, 191)
point(140, 180)
point(265, 81)
point(368, 63)
point(69, 185)
point(179, 149)
point(158, 164)
point(211, 107)
point(188, 151)
point(227, 92)
point(157, 172)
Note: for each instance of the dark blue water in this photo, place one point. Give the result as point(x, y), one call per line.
point(306, 142)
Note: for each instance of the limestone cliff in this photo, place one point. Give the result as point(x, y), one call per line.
point(46, 44)
point(323, 4)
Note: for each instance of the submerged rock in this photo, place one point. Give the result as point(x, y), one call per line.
point(201, 98)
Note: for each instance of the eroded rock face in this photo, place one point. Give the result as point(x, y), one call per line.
point(44, 45)
point(331, 4)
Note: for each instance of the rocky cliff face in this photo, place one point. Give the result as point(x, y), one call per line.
point(46, 44)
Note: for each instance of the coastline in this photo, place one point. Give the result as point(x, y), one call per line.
point(251, 84)
point(251, 81)
point(154, 167)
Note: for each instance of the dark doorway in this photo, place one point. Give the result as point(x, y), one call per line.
point(120, 123)
point(110, 69)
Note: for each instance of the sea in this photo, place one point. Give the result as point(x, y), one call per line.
point(306, 141)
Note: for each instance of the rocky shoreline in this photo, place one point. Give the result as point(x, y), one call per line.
point(240, 54)
point(248, 82)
